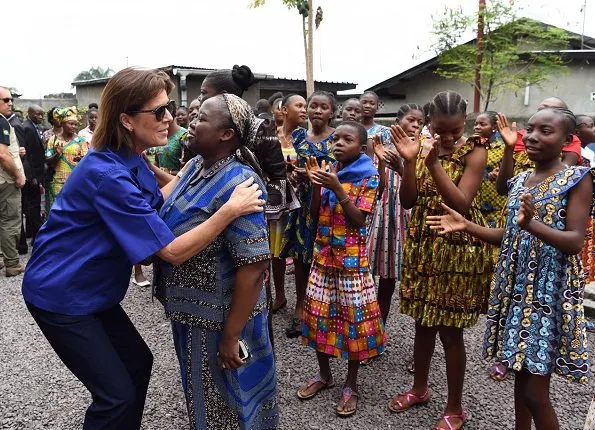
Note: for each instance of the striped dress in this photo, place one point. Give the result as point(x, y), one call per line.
point(385, 245)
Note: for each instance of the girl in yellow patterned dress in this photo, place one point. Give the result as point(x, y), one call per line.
point(63, 152)
point(445, 279)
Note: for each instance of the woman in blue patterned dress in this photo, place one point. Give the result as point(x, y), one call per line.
point(535, 321)
point(216, 300)
point(298, 240)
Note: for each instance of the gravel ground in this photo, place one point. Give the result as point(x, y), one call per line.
point(38, 392)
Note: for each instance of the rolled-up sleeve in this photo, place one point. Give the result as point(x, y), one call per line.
point(247, 236)
point(136, 226)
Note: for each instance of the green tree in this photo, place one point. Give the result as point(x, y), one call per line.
point(309, 21)
point(516, 52)
point(94, 73)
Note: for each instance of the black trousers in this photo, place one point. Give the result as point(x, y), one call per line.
point(31, 204)
point(106, 353)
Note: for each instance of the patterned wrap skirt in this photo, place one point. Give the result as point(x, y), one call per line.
point(385, 248)
point(243, 398)
point(341, 314)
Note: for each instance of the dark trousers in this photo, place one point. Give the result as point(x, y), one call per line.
point(106, 353)
point(31, 204)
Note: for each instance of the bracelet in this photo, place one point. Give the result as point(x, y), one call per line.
point(345, 200)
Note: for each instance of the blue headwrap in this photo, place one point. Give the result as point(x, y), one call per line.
point(355, 171)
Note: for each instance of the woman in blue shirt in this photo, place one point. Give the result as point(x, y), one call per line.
point(103, 221)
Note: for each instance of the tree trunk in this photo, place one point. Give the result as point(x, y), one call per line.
point(479, 57)
point(310, 50)
point(489, 94)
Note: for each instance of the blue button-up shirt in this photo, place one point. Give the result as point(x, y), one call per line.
point(103, 221)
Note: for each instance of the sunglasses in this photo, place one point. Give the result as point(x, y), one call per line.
point(7, 99)
point(159, 111)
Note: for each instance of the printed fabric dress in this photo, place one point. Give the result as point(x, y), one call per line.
point(535, 318)
point(445, 278)
point(197, 297)
point(588, 252)
point(341, 313)
point(77, 147)
point(277, 226)
point(387, 230)
point(168, 157)
point(490, 202)
point(300, 231)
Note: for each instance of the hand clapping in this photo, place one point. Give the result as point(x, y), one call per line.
point(526, 211)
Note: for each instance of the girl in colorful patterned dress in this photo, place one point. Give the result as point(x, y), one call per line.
point(445, 279)
point(341, 315)
point(300, 231)
point(388, 226)
point(535, 322)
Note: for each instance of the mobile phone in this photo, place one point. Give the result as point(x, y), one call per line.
point(244, 351)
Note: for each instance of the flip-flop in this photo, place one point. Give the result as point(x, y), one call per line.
point(141, 284)
point(324, 385)
point(348, 393)
point(411, 400)
point(447, 419)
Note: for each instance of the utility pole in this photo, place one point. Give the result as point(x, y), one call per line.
point(479, 57)
point(584, 18)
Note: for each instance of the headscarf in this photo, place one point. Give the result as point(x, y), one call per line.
point(246, 125)
point(66, 114)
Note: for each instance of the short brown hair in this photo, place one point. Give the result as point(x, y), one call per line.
point(126, 91)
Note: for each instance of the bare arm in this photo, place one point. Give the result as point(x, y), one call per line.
point(509, 136)
point(246, 290)
point(453, 221)
point(459, 197)
point(408, 189)
point(506, 171)
point(315, 201)
point(356, 216)
point(7, 162)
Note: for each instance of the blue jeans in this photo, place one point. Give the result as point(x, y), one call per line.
point(180, 334)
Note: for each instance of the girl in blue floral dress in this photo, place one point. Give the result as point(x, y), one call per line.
point(535, 320)
point(298, 239)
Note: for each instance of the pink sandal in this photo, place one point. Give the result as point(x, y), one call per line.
point(447, 419)
point(410, 400)
point(324, 385)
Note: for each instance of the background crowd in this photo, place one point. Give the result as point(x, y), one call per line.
point(496, 223)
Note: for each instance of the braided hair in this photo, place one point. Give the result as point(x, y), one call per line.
point(567, 115)
point(371, 93)
point(406, 108)
point(492, 116)
point(448, 103)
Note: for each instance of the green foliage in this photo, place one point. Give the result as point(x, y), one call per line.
point(94, 73)
point(516, 51)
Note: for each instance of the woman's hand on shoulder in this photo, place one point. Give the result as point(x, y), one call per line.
point(245, 199)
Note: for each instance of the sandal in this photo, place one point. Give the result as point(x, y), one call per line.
point(280, 306)
point(347, 395)
point(295, 329)
point(410, 399)
point(447, 419)
point(324, 385)
point(499, 373)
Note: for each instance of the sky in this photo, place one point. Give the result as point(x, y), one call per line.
point(359, 41)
